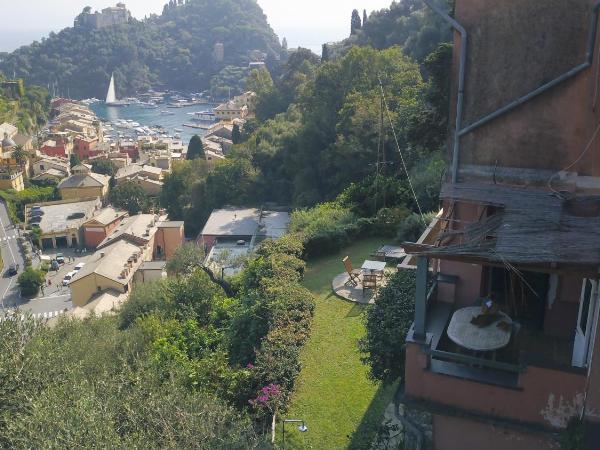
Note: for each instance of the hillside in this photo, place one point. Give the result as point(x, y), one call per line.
point(173, 50)
point(410, 24)
point(27, 107)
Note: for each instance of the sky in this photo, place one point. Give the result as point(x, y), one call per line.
point(306, 23)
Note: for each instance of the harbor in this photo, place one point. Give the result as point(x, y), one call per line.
point(154, 114)
point(138, 119)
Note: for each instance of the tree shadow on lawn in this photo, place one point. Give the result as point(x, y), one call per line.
point(366, 431)
point(357, 310)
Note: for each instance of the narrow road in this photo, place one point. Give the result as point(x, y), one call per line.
point(9, 290)
point(11, 254)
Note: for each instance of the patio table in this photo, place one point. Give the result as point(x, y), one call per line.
point(373, 266)
point(392, 252)
point(462, 332)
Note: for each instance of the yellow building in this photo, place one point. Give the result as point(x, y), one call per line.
point(135, 241)
point(12, 180)
point(109, 269)
point(84, 186)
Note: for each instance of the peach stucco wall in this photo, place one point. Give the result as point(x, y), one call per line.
point(547, 397)
point(452, 433)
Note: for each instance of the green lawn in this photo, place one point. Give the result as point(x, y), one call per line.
point(341, 406)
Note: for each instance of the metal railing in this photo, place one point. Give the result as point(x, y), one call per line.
point(474, 361)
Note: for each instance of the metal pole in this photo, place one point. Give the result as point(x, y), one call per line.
point(421, 297)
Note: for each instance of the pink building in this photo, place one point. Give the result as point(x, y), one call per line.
point(521, 216)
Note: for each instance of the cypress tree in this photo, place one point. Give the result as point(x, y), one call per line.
point(364, 17)
point(236, 135)
point(195, 148)
point(355, 23)
point(325, 53)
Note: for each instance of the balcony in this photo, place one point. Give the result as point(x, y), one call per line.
point(531, 380)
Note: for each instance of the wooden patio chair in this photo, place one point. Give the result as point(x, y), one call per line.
point(353, 273)
point(369, 282)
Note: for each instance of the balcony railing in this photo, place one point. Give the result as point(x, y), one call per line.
point(502, 368)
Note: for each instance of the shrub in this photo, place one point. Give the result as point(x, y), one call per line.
point(326, 228)
point(411, 228)
point(31, 280)
point(272, 321)
point(95, 386)
point(388, 322)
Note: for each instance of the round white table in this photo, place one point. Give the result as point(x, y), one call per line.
point(462, 332)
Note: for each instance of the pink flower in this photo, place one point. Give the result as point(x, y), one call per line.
point(250, 366)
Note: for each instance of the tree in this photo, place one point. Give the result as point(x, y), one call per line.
point(236, 135)
point(74, 160)
point(104, 167)
point(259, 81)
point(131, 197)
point(187, 258)
point(20, 155)
point(364, 17)
point(284, 43)
point(30, 282)
point(325, 53)
point(195, 148)
point(355, 23)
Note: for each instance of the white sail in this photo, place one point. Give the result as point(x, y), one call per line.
point(111, 95)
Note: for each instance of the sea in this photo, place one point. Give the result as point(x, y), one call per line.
point(172, 121)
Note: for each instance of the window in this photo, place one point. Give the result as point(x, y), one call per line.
point(585, 306)
point(42, 167)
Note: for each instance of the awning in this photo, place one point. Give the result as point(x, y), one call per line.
point(523, 226)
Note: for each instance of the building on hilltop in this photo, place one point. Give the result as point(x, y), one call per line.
point(518, 235)
point(109, 17)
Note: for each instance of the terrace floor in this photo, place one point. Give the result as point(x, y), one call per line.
point(343, 288)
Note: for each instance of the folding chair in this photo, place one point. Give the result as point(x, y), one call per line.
point(353, 273)
point(369, 282)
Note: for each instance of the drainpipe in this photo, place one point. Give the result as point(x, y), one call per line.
point(459, 132)
point(461, 84)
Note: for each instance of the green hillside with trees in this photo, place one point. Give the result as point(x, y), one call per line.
point(173, 50)
point(27, 107)
point(353, 142)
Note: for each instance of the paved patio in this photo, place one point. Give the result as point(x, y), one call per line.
point(342, 287)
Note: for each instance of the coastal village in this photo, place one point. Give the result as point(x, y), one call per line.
point(111, 249)
point(407, 259)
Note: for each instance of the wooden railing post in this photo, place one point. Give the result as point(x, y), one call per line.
point(421, 298)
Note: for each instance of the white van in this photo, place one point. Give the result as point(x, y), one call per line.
point(68, 277)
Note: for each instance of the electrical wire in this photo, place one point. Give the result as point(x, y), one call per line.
point(587, 148)
point(400, 150)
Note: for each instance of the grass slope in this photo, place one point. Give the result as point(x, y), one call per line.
point(341, 407)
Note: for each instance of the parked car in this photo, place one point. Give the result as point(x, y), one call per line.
point(54, 265)
point(60, 258)
point(68, 277)
point(13, 269)
point(78, 267)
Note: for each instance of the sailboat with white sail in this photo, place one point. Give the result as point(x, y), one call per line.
point(111, 95)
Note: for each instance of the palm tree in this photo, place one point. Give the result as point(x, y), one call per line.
point(20, 155)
